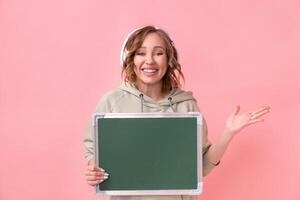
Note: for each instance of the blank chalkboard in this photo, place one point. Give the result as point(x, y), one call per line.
point(149, 153)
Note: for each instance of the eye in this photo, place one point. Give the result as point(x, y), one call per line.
point(159, 53)
point(140, 53)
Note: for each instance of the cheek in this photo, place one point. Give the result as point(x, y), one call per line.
point(164, 60)
point(137, 61)
point(164, 63)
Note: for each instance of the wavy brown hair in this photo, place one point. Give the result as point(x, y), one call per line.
point(173, 76)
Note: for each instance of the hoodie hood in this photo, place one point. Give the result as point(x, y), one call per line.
point(175, 96)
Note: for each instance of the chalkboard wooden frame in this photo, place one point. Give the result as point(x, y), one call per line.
point(98, 123)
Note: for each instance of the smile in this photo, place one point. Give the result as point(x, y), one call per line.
point(150, 70)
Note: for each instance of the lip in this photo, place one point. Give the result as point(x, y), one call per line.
point(150, 74)
point(152, 67)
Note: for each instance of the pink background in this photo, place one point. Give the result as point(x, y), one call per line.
point(58, 57)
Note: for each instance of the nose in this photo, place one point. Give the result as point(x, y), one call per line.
point(149, 59)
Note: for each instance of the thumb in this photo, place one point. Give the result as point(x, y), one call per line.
point(236, 110)
point(91, 162)
point(92, 167)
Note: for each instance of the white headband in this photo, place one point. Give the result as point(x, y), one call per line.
point(123, 50)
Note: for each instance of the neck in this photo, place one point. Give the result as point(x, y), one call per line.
point(154, 91)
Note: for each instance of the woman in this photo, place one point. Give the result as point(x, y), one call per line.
point(152, 77)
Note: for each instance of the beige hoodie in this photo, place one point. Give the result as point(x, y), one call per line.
point(128, 99)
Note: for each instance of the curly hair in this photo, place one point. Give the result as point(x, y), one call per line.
point(173, 76)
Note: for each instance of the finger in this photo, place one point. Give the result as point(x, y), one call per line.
point(93, 178)
point(257, 115)
point(95, 168)
point(94, 173)
point(255, 110)
point(236, 110)
point(94, 182)
point(92, 167)
point(97, 175)
point(261, 109)
point(254, 121)
point(105, 176)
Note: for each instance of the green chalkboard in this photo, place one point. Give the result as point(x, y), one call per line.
point(148, 153)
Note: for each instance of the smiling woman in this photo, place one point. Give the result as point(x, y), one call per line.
point(150, 60)
point(152, 75)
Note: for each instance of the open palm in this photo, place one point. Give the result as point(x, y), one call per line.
point(237, 121)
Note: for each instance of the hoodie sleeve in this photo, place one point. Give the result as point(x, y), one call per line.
point(207, 166)
point(88, 140)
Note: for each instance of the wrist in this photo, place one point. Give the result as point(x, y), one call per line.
point(228, 133)
point(226, 137)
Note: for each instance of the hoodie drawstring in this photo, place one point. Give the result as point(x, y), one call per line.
point(170, 103)
point(142, 102)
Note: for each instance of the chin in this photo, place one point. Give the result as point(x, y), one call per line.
point(150, 82)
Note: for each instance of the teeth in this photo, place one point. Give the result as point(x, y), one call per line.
point(150, 70)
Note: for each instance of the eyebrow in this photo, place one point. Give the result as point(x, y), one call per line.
point(155, 47)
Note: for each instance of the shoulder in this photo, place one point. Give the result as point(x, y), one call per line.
point(109, 99)
point(113, 95)
point(186, 102)
point(188, 106)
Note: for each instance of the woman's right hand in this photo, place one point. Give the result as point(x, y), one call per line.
point(94, 174)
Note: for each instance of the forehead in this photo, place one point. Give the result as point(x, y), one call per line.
point(153, 40)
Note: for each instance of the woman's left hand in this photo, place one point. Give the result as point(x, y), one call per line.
point(237, 121)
